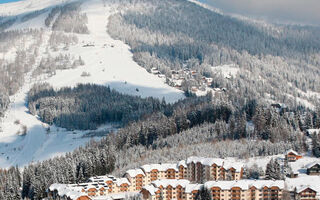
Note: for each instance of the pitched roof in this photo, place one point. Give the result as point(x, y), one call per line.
point(313, 164)
point(244, 184)
point(302, 188)
point(192, 187)
point(159, 167)
point(151, 189)
point(218, 161)
point(183, 163)
point(121, 181)
point(135, 172)
point(173, 182)
point(292, 151)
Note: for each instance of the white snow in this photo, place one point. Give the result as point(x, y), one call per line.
point(226, 71)
point(135, 172)
point(107, 65)
point(312, 131)
point(244, 184)
point(159, 167)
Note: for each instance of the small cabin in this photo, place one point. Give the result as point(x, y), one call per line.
point(292, 156)
point(313, 169)
point(305, 193)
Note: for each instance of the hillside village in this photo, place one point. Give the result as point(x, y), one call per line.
point(187, 179)
point(190, 81)
point(156, 100)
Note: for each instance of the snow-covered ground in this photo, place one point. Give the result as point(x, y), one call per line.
point(226, 71)
point(109, 62)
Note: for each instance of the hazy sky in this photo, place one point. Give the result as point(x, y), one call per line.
point(298, 11)
point(8, 1)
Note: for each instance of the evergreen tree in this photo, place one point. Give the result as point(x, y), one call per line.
point(273, 170)
point(203, 194)
point(316, 145)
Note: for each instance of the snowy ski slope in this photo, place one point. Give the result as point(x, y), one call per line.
point(109, 62)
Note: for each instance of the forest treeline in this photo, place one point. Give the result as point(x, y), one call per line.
point(62, 19)
point(88, 106)
point(275, 62)
point(201, 126)
point(68, 18)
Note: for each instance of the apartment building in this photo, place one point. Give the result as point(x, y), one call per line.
point(194, 169)
point(220, 190)
point(246, 190)
point(205, 169)
point(170, 189)
point(137, 178)
point(159, 171)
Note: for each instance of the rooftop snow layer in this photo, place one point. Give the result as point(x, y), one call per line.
point(244, 184)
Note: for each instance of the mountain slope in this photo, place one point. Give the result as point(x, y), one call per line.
point(106, 65)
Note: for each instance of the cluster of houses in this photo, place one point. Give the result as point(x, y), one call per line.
point(177, 77)
point(183, 180)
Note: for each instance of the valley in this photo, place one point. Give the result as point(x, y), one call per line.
point(91, 90)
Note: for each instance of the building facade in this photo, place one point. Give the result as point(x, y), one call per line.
point(292, 156)
point(219, 190)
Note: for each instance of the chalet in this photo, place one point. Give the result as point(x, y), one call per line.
point(313, 168)
point(292, 156)
point(305, 193)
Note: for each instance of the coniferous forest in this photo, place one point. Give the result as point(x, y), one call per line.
point(174, 131)
point(260, 111)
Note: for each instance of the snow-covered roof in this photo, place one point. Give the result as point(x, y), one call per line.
point(244, 184)
point(135, 172)
point(56, 186)
point(71, 191)
point(292, 151)
point(312, 164)
point(303, 182)
point(121, 181)
point(302, 188)
point(159, 167)
point(100, 178)
point(151, 189)
point(183, 163)
point(122, 195)
point(218, 161)
point(154, 187)
point(173, 182)
point(192, 187)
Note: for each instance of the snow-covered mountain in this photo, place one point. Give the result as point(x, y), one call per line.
point(184, 44)
point(108, 61)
